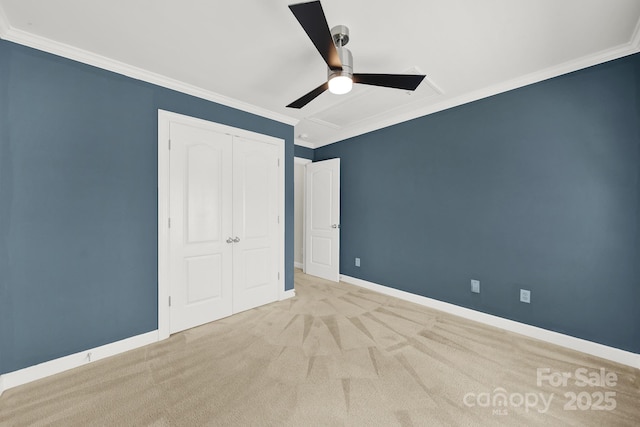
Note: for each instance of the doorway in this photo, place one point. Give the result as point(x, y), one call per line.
point(322, 219)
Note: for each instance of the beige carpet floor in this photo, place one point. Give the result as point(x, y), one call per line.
point(334, 355)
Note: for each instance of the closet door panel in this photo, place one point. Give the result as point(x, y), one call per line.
point(200, 265)
point(255, 223)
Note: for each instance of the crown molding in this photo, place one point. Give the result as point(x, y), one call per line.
point(80, 55)
point(411, 112)
point(303, 143)
point(416, 110)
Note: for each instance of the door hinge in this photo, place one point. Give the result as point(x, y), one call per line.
point(278, 162)
point(169, 301)
point(278, 275)
point(169, 144)
point(169, 222)
point(278, 219)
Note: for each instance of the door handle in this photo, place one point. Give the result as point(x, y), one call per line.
point(335, 226)
point(236, 240)
point(229, 240)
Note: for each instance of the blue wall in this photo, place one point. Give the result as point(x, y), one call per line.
point(78, 202)
point(536, 188)
point(303, 152)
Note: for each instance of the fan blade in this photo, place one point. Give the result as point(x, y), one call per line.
point(304, 100)
point(397, 81)
point(311, 17)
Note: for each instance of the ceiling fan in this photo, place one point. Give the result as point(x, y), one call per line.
point(330, 44)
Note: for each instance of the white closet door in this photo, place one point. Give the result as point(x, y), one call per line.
point(200, 259)
point(255, 223)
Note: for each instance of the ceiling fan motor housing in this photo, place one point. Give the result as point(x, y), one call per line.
point(340, 34)
point(347, 64)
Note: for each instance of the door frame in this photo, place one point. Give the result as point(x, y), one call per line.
point(302, 162)
point(165, 118)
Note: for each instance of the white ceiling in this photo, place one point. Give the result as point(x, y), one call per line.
point(254, 55)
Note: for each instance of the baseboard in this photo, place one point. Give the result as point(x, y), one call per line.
point(589, 347)
point(298, 265)
point(51, 367)
point(287, 294)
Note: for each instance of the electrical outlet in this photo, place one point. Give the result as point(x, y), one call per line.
point(357, 262)
point(525, 296)
point(475, 286)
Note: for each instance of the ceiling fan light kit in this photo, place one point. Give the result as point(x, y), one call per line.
point(330, 45)
point(340, 85)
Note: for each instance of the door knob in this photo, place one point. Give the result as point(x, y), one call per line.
point(335, 226)
point(229, 240)
point(237, 239)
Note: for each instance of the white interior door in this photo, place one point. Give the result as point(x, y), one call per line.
point(200, 258)
point(255, 223)
point(322, 225)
